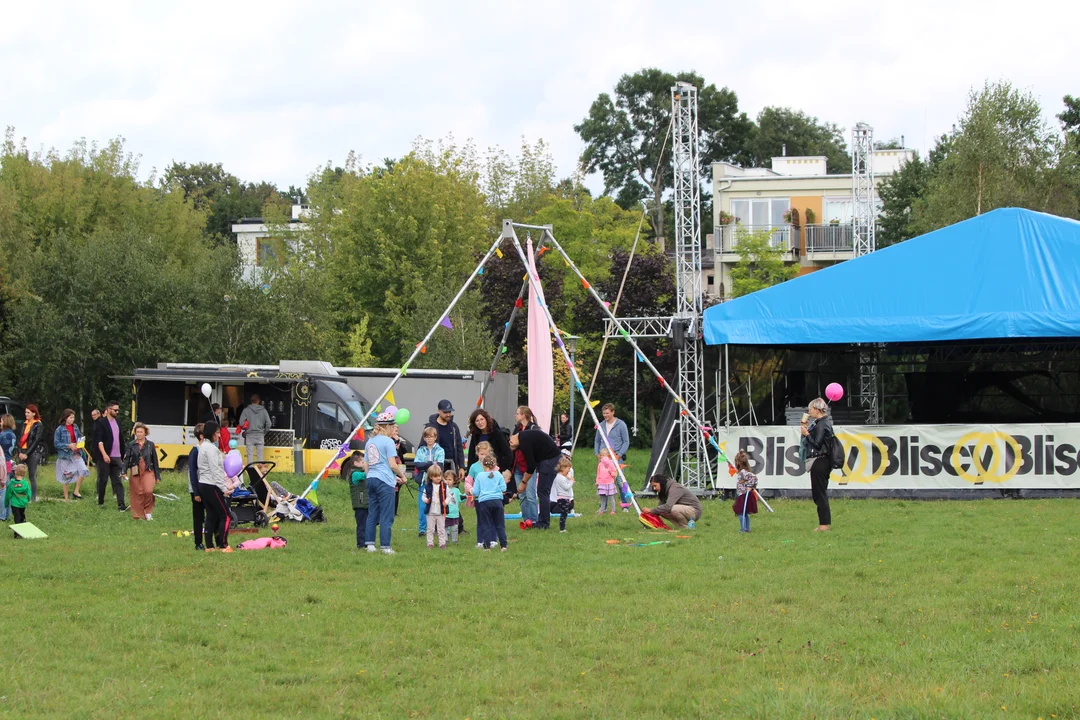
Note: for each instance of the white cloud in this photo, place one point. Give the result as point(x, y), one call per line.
point(273, 90)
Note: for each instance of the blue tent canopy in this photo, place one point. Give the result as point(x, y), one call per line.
point(1010, 273)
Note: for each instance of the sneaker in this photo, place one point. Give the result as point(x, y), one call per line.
point(123, 508)
point(626, 509)
point(611, 513)
point(370, 548)
point(227, 548)
point(388, 551)
point(691, 525)
point(562, 531)
point(479, 546)
point(421, 534)
point(430, 545)
point(503, 550)
point(77, 496)
point(463, 532)
point(442, 547)
point(149, 516)
point(211, 549)
point(599, 512)
point(199, 547)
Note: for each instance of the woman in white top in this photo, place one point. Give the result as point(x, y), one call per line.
point(213, 487)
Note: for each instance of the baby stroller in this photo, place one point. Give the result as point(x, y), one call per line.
point(249, 503)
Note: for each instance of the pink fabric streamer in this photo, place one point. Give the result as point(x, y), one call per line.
point(541, 369)
point(264, 543)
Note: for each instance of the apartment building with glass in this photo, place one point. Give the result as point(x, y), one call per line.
point(807, 212)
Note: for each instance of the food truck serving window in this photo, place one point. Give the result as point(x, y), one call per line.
point(160, 402)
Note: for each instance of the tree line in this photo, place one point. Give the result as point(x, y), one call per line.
point(102, 271)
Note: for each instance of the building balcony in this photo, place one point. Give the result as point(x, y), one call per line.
point(780, 236)
point(834, 239)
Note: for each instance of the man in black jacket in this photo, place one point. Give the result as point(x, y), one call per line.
point(541, 456)
point(107, 448)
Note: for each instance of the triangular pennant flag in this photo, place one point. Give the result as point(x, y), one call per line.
point(585, 283)
point(661, 380)
point(445, 322)
point(518, 303)
point(566, 262)
point(542, 251)
point(423, 350)
point(480, 271)
point(390, 397)
point(594, 403)
point(499, 253)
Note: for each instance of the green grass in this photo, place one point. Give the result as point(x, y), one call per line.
point(905, 610)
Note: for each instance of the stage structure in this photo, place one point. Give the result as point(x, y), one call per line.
point(509, 235)
point(684, 327)
point(864, 227)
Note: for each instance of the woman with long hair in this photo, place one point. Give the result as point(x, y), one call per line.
point(484, 428)
point(530, 508)
point(70, 467)
point(819, 441)
point(677, 503)
point(32, 448)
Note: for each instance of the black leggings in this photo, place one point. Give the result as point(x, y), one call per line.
point(198, 522)
point(18, 515)
point(819, 489)
point(218, 517)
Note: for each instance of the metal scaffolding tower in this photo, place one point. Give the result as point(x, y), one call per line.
point(864, 226)
point(686, 328)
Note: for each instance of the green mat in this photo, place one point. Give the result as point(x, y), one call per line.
point(28, 531)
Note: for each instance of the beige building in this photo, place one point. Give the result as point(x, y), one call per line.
point(808, 212)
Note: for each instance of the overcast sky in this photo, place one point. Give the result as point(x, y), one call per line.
point(273, 90)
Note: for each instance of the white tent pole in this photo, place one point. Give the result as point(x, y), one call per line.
point(626, 336)
point(538, 291)
point(405, 368)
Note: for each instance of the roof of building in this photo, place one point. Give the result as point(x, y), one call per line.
point(1010, 273)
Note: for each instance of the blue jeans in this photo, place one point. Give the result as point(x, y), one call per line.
point(491, 513)
point(380, 512)
point(744, 522)
point(422, 522)
point(361, 525)
point(530, 510)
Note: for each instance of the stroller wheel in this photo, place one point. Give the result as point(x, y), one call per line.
point(261, 519)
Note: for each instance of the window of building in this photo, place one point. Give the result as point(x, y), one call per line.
point(710, 280)
point(760, 212)
point(840, 209)
point(270, 251)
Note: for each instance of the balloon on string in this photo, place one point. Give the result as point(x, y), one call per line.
point(233, 463)
point(834, 391)
point(206, 390)
point(391, 409)
point(232, 444)
point(402, 416)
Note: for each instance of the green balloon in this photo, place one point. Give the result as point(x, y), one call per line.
point(402, 416)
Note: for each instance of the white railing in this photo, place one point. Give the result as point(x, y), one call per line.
point(729, 236)
point(833, 238)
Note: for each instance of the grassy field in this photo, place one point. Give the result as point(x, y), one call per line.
point(905, 610)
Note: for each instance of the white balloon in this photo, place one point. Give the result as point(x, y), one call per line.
point(206, 390)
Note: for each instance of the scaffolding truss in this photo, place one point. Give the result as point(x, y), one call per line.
point(686, 326)
point(863, 225)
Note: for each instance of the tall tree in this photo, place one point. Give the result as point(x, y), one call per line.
point(760, 264)
point(624, 136)
point(782, 131)
point(1002, 154)
point(222, 195)
point(903, 195)
point(1070, 116)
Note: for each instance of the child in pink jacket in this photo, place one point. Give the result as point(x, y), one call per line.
point(606, 473)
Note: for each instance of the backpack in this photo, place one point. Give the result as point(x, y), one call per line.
point(836, 453)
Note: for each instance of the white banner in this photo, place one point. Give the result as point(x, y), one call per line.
point(914, 457)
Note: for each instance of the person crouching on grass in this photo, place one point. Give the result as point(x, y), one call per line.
point(745, 503)
point(677, 504)
point(17, 494)
point(564, 490)
point(436, 504)
point(489, 488)
point(213, 487)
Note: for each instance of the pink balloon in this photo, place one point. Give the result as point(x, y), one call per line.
point(233, 463)
point(834, 391)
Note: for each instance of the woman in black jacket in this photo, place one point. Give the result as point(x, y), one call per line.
point(32, 447)
point(483, 428)
point(819, 439)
